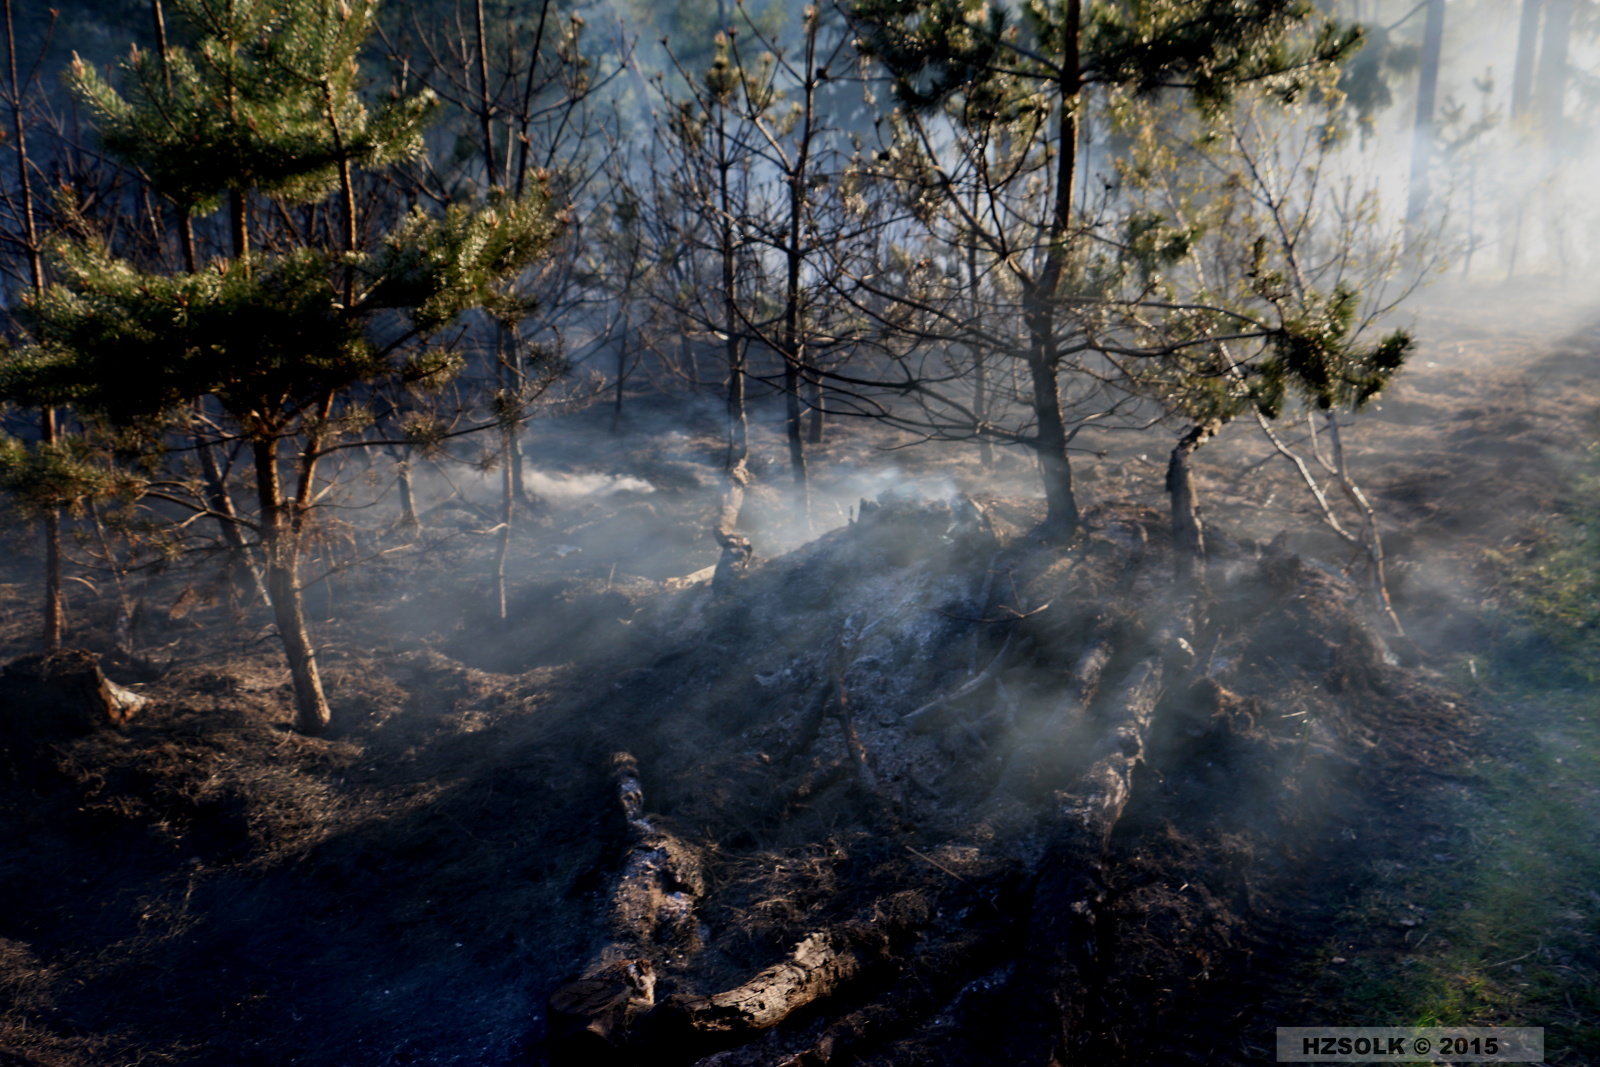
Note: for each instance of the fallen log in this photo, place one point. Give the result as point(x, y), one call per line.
point(652, 914)
point(822, 964)
point(1057, 1002)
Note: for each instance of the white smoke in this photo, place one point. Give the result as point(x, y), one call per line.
point(565, 488)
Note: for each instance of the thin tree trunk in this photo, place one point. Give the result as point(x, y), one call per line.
point(280, 544)
point(980, 406)
point(485, 105)
point(220, 501)
point(408, 501)
point(1527, 47)
point(735, 548)
point(622, 374)
point(508, 494)
point(1553, 73)
point(239, 226)
point(507, 516)
point(816, 400)
point(795, 368)
point(1039, 311)
point(980, 364)
point(1050, 445)
point(52, 608)
point(1371, 540)
point(1188, 537)
point(1422, 129)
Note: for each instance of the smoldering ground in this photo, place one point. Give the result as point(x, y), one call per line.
point(205, 887)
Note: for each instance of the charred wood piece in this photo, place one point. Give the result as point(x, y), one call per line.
point(916, 719)
point(63, 694)
point(1065, 928)
point(822, 964)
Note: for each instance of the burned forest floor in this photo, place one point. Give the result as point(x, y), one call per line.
point(918, 789)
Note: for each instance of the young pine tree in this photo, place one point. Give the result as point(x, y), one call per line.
point(984, 148)
point(264, 118)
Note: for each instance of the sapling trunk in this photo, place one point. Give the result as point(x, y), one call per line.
point(1188, 536)
point(52, 612)
point(1050, 435)
point(408, 501)
point(280, 546)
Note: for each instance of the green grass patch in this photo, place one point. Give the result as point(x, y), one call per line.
point(1494, 917)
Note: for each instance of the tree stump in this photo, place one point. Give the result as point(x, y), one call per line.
point(64, 694)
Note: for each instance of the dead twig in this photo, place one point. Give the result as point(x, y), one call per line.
point(1012, 615)
point(966, 688)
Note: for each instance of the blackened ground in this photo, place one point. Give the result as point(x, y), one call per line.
point(207, 887)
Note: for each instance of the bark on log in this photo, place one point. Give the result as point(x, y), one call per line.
point(933, 985)
point(63, 694)
point(821, 963)
point(653, 902)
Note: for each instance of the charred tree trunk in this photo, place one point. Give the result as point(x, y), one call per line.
point(980, 363)
point(980, 406)
point(794, 427)
point(817, 402)
point(622, 376)
point(54, 605)
point(52, 622)
point(736, 549)
point(1050, 445)
point(1188, 537)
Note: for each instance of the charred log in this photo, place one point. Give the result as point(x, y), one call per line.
point(822, 964)
point(1057, 1016)
point(652, 912)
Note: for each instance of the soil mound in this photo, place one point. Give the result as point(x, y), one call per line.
point(923, 790)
